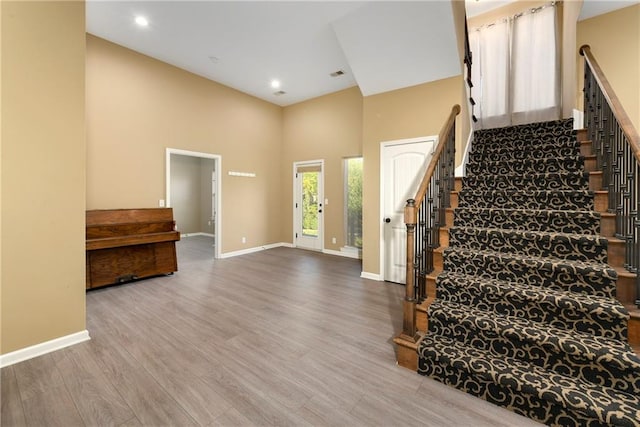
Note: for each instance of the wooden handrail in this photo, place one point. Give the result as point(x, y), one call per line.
point(614, 102)
point(442, 137)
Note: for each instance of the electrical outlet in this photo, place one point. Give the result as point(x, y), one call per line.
point(161, 203)
point(244, 240)
point(333, 240)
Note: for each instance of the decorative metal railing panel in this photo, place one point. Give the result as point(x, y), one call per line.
point(616, 145)
point(423, 216)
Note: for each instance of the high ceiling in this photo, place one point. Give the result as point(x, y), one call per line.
point(379, 45)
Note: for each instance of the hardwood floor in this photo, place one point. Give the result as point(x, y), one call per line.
point(279, 337)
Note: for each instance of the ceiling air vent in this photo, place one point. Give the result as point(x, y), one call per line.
point(280, 92)
point(337, 73)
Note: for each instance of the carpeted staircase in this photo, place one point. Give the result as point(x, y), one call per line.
point(525, 314)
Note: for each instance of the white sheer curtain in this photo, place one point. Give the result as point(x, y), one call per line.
point(490, 74)
point(515, 69)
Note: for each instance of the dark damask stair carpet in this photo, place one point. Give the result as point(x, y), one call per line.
point(525, 314)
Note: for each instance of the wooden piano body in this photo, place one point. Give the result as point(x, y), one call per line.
point(128, 244)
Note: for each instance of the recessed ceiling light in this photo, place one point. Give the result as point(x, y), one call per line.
point(142, 21)
point(275, 84)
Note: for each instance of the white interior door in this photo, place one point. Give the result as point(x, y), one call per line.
point(308, 205)
point(403, 165)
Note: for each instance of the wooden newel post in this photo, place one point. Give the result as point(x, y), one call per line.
point(409, 303)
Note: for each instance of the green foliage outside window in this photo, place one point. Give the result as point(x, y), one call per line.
point(353, 202)
point(310, 203)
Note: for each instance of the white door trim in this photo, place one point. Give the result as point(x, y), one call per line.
point(381, 228)
point(217, 170)
point(320, 196)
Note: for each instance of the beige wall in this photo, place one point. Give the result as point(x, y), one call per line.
point(138, 106)
point(459, 16)
point(329, 128)
point(615, 42)
point(570, 12)
point(400, 114)
point(186, 192)
point(43, 172)
point(206, 170)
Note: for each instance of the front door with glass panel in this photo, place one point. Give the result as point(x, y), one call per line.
point(308, 205)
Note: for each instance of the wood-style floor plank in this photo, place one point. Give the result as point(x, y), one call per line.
point(275, 338)
point(98, 402)
point(11, 411)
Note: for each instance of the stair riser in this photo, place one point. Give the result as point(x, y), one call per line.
point(616, 253)
point(626, 289)
point(590, 164)
point(482, 148)
point(526, 304)
point(534, 201)
point(553, 276)
point(595, 181)
point(560, 222)
point(531, 244)
point(528, 183)
point(601, 201)
point(553, 165)
point(480, 156)
point(457, 186)
point(608, 225)
point(444, 237)
point(543, 354)
point(582, 135)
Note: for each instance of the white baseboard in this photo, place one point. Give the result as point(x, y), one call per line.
point(459, 171)
point(371, 276)
point(43, 348)
point(578, 119)
point(346, 254)
point(255, 249)
point(196, 234)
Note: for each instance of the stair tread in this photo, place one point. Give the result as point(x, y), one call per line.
point(541, 234)
point(599, 315)
point(571, 342)
point(532, 175)
point(533, 192)
point(597, 267)
point(593, 303)
point(606, 404)
point(536, 211)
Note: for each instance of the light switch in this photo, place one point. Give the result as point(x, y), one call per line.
point(326, 201)
point(161, 203)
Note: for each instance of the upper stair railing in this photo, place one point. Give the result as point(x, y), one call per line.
point(423, 216)
point(616, 145)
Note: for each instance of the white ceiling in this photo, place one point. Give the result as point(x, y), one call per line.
point(380, 45)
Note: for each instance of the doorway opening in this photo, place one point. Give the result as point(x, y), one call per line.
point(193, 188)
point(308, 202)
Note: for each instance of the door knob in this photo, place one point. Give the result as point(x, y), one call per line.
point(387, 220)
